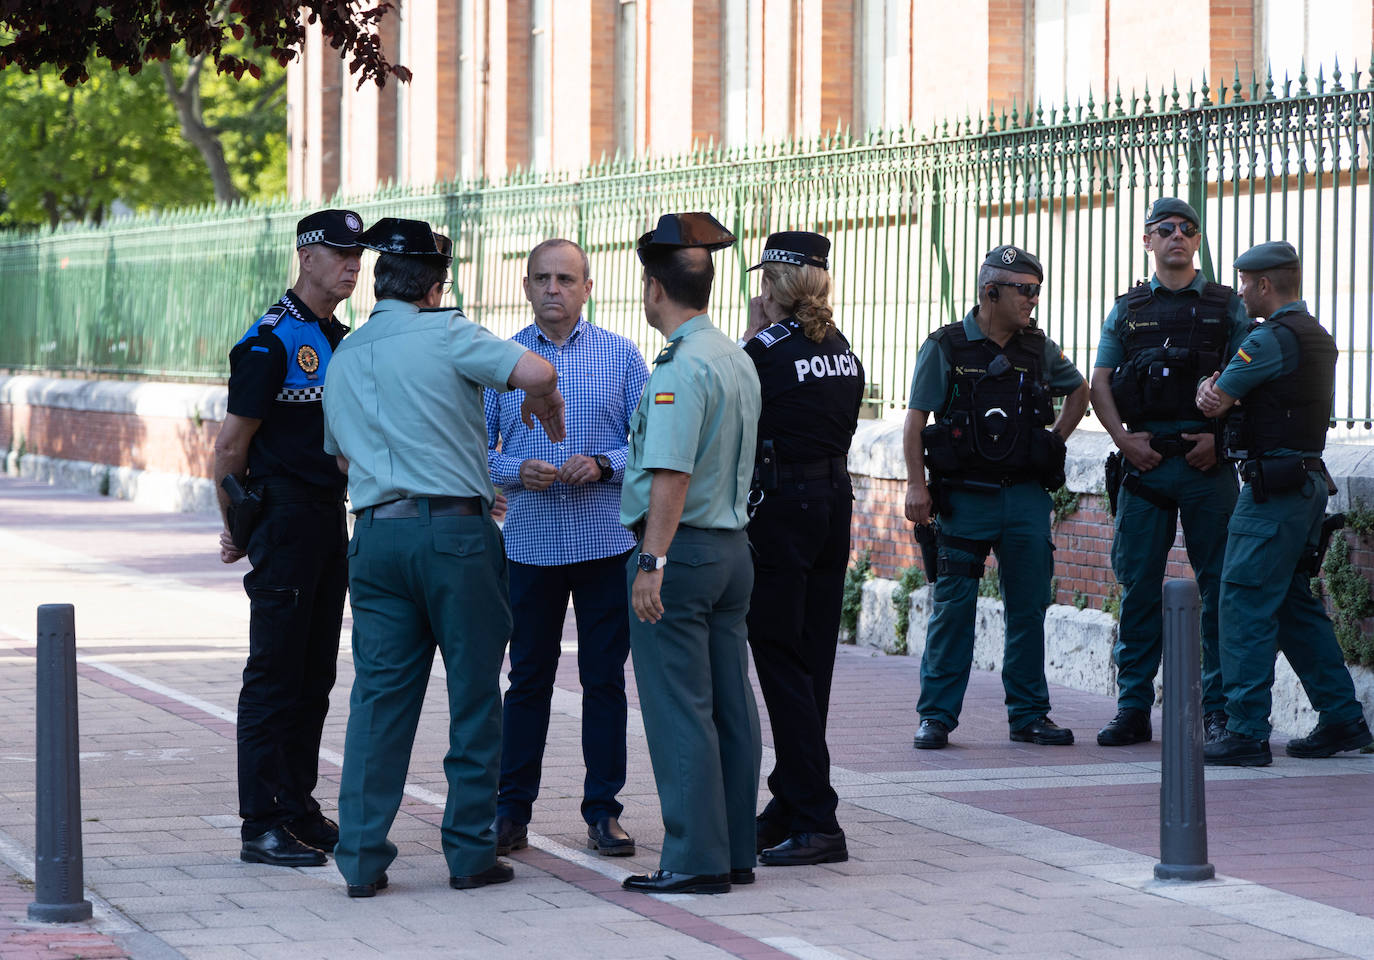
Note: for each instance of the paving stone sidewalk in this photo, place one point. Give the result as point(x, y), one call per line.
point(986, 849)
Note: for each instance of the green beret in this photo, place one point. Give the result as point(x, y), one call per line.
point(1007, 257)
point(1166, 207)
point(1268, 256)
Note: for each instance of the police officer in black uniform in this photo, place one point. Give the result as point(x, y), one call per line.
point(812, 384)
point(272, 442)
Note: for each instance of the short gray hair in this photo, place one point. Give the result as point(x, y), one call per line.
point(560, 242)
point(989, 274)
point(408, 278)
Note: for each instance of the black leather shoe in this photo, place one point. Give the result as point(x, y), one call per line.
point(801, 849)
point(1128, 726)
point(931, 735)
point(768, 833)
point(498, 872)
point(1231, 749)
point(742, 877)
point(367, 889)
point(278, 848)
point(318, 831)
point(1044, 732)
point(1213, 725)
point(1334, 738)
point(509, 835)
point(665, 881)
point(608, 839)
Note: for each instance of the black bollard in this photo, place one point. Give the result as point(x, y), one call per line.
point(58, 882)
point(1182, 795)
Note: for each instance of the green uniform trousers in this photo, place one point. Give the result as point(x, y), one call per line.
point(700, 718)
point(1267, 606)
point(1016, 520)
point(416, 584)
point(1144, 536)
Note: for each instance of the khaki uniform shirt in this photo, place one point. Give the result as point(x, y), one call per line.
point(406, 404)
point(699, 414)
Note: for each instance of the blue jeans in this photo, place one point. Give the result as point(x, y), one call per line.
point(539, 603)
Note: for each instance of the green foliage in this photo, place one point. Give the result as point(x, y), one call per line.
point(991, 584)
point(912, 579)
point(1360, 518)
point(854, 579)
point(1111, 603)
point(70, 152)
point(1350, 596)
point(1080, 600)
point(1065, 504)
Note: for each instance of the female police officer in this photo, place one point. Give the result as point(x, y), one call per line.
point(812, 384)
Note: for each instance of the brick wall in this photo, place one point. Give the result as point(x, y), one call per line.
point(837, 64)
point(176, 445)
point(1231, 26)
point(706, 89)
point(516, 100)
point(1008, 30)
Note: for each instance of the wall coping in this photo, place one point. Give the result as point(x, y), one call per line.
point(877, 453)
point(176, 400)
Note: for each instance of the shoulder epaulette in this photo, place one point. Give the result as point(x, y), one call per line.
point(666, 354)
point(272, 316)
point(1138, 295)
point(774, 334)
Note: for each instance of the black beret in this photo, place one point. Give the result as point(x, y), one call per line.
point(677, 230)
point(797, 247)
point(1166, 207)
point(1268, 256)
point(410, 238)
point(1007, 257)
point(333, 228)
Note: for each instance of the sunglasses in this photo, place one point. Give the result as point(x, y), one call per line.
point(1187, 228)
point(1028, 290)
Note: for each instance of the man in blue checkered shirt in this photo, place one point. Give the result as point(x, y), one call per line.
point(563, 535)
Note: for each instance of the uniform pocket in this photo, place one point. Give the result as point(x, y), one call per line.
point(1247, 540)
point(459, 544)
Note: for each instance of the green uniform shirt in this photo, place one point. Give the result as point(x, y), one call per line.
point(699, 414)
point(1111, 351)
point(1260, 359)
point(403, 403)
point(930, 379)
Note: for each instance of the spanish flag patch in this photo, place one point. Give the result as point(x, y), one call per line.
point(1243, 355)
point(664, 397)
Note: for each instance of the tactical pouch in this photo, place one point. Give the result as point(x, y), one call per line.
point(245, 510)
point(768, 468)
point(941, 457)
point(1235, 436)
point(930, 549)
point(1048, 456)
point(1126, 389)
point(1282, 474)
point(1112, 471)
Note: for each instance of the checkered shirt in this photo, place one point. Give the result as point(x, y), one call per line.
point(601, 376)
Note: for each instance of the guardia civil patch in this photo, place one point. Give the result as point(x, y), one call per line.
point(664, 397)
point(307, 359)
point(1244, 356)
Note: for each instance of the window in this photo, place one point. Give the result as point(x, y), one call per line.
point(1064, 51)
point(1318, 33)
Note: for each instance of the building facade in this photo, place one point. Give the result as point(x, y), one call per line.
point(556, 85)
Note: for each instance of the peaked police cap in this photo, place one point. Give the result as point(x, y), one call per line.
point(797, 247)
point(333, 228)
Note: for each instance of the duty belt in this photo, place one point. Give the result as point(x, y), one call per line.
point(830, 467)
point(409, 508)
point(1171, 445)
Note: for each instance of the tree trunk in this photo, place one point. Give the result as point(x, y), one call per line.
point(186, 99)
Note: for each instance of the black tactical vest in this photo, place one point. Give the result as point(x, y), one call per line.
point(1294, 409)
point(997, 404)
point(1168, 347)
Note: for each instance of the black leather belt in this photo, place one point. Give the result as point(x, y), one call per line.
point(1172, 445)
point(438, 507)
point(813, 470)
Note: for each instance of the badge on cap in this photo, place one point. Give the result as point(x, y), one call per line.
point(352, 222)
point(1009, 256)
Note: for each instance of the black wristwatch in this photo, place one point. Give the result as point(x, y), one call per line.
point(604, 462)
point(649, 563)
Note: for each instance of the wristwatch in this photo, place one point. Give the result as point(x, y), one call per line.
point(604, 462)
point(649, 563)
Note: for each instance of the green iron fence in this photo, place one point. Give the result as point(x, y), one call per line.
point(910, 216)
